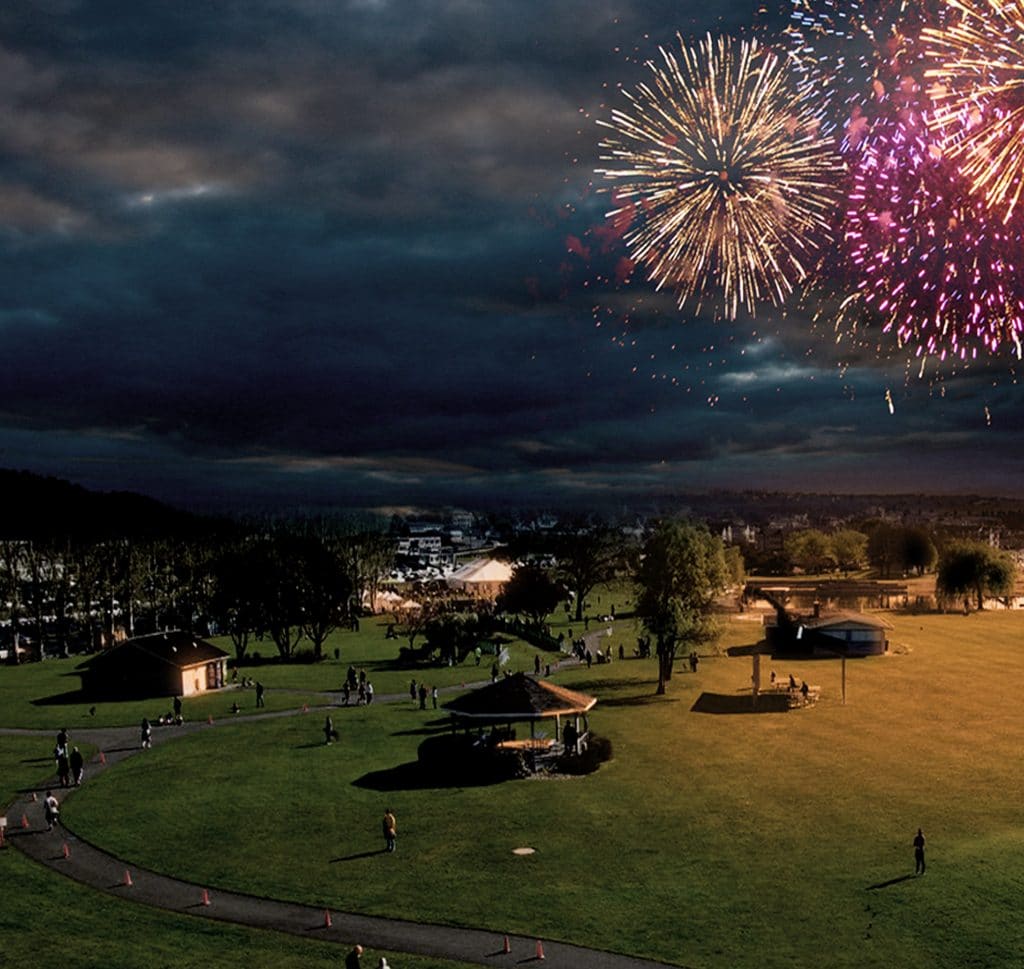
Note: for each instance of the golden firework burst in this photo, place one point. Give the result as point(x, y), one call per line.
point(723, 168)
point(978, 91)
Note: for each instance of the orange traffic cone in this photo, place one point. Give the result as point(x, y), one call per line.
point(506, 947)
point(66, 850)
point(206, 897)
point(540, 950)
point(127, 878)
point(327, 918)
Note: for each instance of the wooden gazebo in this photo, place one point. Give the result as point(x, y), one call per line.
point(519, 698)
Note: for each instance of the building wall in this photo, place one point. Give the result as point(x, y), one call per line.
point(197, 679)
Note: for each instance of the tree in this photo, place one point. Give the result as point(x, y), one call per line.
point(735, 566)
point(587, 555)
point(974, 569)
point(850, 548)
point(368, 557)
point(277, 560)
point(681, 570)
point(454, 635)
point(810, 550)
point(885, 548)
point(531, 592)
point(918, 553)
point(236, 603)
point(324, 590)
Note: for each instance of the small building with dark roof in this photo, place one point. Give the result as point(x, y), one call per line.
point(173, 663)
point(833, 634)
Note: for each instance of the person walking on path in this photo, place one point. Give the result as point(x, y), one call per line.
point(423, 696)
point(354, 959)
point(177, 709)
point(433, 696)
point(390, 828)
point(146, 735)
point(259, 694)
point(77, 763)
point(62, 742)
point(919, 853)
point(369, 693)
point(64, 768)
point(51, 809)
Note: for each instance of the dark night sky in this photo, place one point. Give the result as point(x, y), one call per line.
point(350, 252)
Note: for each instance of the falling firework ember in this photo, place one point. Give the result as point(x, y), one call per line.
point(979, 95)
point(722, 165)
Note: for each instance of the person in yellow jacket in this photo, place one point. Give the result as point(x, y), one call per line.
point(390, 829)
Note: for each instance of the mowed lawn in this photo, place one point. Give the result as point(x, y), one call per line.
point(739, 840)
point(49, 920)
point(47, 695)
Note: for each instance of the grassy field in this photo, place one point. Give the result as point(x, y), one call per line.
point(710, 840)
point(48, 920)
point(47, 695)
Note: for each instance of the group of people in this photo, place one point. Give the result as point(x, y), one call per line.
point(358, 683)
point(792, 685)
point(420, 692)
point(70, 763)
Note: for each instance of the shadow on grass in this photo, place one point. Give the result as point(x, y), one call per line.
point(637, 701)
point(749, 650)
point(427, 730)
point(891, 881)
point(68, 698)
point(414, 776)
point(740, 703)
point(359, 856)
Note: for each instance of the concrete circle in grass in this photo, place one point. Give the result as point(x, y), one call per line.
point(523, 851)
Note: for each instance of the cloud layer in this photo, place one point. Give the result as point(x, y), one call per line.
point(352, 253)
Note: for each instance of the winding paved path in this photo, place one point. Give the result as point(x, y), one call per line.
point(64, 851)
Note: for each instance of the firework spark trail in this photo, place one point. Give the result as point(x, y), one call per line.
point(728, 172)
point(980, 81)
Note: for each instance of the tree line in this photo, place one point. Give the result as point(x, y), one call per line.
point(286, 581)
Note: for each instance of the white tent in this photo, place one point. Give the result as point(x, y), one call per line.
point(482, 578)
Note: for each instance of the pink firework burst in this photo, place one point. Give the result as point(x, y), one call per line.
point(926, 255)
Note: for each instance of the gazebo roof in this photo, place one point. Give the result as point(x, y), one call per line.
point(520, 697)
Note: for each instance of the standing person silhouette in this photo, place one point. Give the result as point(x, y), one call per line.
point(919, 853)
point(390, 828)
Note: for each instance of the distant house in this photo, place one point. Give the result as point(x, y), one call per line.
point(162, 664)
point(838, 633)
